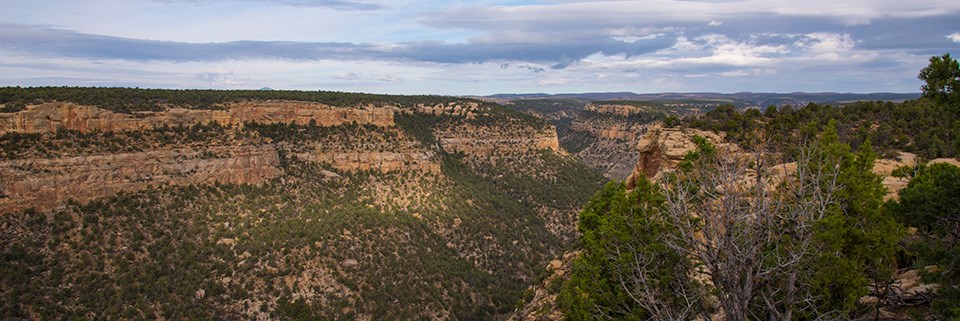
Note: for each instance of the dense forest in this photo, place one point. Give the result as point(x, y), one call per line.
point(923, 127)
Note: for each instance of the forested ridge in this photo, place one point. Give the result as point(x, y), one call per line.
point(923, 127)
point(128, 100)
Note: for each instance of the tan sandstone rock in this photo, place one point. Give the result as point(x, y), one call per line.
point(662, 149)
point(47, 117)
point(47, 183)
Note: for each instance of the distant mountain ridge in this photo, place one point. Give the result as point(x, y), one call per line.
point(740, 99)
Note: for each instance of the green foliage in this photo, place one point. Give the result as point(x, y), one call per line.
point(705, 151)
point(942, 80)
point(642, 117)
point(926, 128)
point(857, 238)
point(547, 106)
point(72, 143)
point(576, 141)
point(561, 113)
point(420, 126)
point(931, 203)
point(13, 106)
point(851, 246)
point(616, 227)
point(905, 171)
point(464, 241)
point(671, 121)
point(931, 200)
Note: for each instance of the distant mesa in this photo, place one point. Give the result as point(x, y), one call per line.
point(740, 100)
point(266, 88)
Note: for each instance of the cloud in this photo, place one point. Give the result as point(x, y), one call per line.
point(955, 37)
point(334, 4)
point(413, 46)
point(679, 12)
point(360, 76)
point(224, 78)
point(551, 48)
point(352, 75)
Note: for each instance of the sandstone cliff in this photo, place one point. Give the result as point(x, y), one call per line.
point(609, 129)
point(616, 109)
point(603, 136)
point(47, 117)
point(468, 110)
point(487, 140)
point(48, 179)
point(47, 183)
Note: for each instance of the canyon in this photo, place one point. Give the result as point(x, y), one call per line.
point(45, 183)
point(278, 205)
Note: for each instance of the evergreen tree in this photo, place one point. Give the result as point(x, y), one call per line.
point(942, 79)
point(857, 238)
point(625, 271)
point(931, 203)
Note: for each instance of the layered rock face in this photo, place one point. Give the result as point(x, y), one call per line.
point(496, 139)
point(615, 109)
point(610, 129)
point(468, 110)
point(47, 183)
point(36, 181)
point(47, 117)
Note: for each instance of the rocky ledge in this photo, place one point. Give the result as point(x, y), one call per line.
point(48, 117)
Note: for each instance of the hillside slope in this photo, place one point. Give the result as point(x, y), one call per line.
point(230, 205)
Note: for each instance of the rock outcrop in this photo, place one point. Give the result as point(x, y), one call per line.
point(610, 129)
point(615, 109)
point(605, 143)
point(468, 110)
point(47, 117)
point(47, 183)
point(662, 149)
point(495, 139)
point(885, 168)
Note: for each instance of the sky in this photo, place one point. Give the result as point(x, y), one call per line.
point(478, 47)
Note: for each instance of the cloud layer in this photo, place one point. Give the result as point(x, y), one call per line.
point(437, 47)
